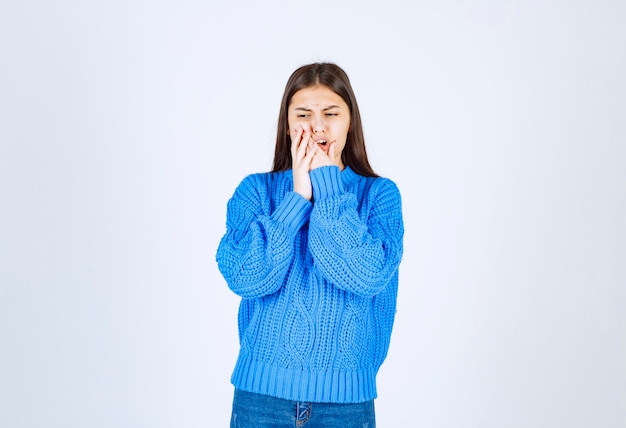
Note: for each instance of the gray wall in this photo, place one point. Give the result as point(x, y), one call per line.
point(126, 125)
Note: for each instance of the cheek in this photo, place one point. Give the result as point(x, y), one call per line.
point(342, 131)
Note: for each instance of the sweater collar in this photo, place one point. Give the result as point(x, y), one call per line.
point(348, 176)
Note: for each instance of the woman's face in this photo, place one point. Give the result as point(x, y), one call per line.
point(324, 114)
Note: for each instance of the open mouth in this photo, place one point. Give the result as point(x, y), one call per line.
point(322, 142)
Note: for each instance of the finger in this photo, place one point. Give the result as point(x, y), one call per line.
point(311, 152)
point(295, 141)
point(304, 143)
point(331, 151)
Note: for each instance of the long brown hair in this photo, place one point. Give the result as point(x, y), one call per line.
point(333, 77)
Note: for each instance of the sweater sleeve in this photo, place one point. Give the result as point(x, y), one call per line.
point(359, 255)
point(256, 251)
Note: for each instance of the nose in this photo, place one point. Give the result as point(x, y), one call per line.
point(318, 125)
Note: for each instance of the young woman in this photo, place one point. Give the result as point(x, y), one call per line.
point(313, 249)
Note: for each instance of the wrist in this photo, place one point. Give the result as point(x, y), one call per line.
point(302, 185)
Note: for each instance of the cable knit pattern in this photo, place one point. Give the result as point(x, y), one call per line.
point(318, 282)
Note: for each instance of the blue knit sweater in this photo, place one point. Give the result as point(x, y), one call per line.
point(318, 282)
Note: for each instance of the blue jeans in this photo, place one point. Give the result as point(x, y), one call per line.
point(262, 411)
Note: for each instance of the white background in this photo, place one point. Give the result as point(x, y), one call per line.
point(126, 125)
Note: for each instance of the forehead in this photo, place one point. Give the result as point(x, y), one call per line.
point(319, 96)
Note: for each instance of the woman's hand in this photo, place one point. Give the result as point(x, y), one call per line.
point(303, 150)
point(324, 158)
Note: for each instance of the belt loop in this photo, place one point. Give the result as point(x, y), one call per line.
point(303, 413)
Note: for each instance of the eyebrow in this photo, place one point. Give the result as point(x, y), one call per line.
point(324, 109)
